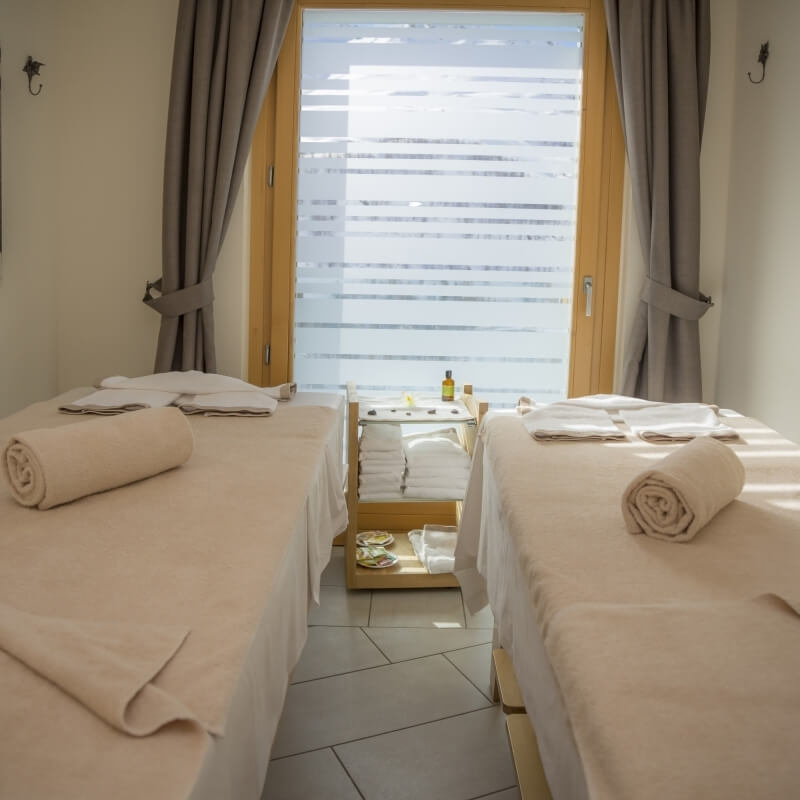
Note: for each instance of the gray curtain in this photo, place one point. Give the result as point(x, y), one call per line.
point(660, 50)
point(225, 53)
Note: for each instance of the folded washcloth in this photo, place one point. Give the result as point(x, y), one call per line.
point(381, 438)
point(570, 423)
point(228, 404)
point(676, 422)
point(49, 466)
point(193, 382)
point(684, 491)
point(435, 547)
point(107, 667)
point(117, 401)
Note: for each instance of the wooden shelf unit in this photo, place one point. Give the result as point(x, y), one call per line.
point(400, 516)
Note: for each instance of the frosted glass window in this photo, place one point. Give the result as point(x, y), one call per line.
point(436, 210)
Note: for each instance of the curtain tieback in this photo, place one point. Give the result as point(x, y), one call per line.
point(182, 301)
point(673, 302)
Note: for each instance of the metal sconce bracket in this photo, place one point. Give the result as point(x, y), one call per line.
point(31, 68)
point(763, 55)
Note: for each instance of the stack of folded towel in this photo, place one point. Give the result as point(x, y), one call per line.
point(193, 392)
point(565, 422)
point(677, 422)
point(382, 462)
point(438, 466)
point(435, 547)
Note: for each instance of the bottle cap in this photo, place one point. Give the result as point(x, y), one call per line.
point(448, 373)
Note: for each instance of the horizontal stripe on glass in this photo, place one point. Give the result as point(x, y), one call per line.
point(454, 267)
point(418, 327)
point(464, 359)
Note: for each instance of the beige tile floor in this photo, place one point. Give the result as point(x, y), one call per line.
point(391, 700)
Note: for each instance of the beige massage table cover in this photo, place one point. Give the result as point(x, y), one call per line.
point(214, 546)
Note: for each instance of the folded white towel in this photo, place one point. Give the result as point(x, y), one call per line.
point(609, 402)
point(193, 382)
point(383, 455)
point(435, 547)
point(435, 493)
point(381, 438)
point(381, 468)
point(426, 471)
point(117, 401)
point(570, 423)
point(438, 447)
point(373, 482)
point(228, 404)
point(457, 482)
point(380, 494)
point(676, 422)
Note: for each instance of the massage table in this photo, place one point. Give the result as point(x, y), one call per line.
point(647, 669)
point(231, 546)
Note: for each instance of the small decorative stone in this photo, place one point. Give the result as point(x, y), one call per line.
point(454, 411)
point(432, 411)
point(408, 413)
point(372, 412)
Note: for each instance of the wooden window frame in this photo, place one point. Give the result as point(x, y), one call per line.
point(597, 252)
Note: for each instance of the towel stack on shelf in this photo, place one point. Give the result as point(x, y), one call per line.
point(382, 463)
point(438, 466)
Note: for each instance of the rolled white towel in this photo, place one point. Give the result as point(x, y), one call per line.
point(46, 467)
point(681, 493)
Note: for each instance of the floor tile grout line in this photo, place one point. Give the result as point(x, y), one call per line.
point(377, 646)
point(390, 664)
point(339, 674)
point(347, 772)
point(386, 733)
point(369, 614)
point(467, 676)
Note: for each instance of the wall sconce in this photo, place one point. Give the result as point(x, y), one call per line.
point(31, 68)
point(763, 55)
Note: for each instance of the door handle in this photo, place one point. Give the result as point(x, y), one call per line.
point(587, 292)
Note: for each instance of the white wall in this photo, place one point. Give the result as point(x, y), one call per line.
point(714, 176)
point(759, 368)
point(83, 166)
point(27, 268)
point(114, 92)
